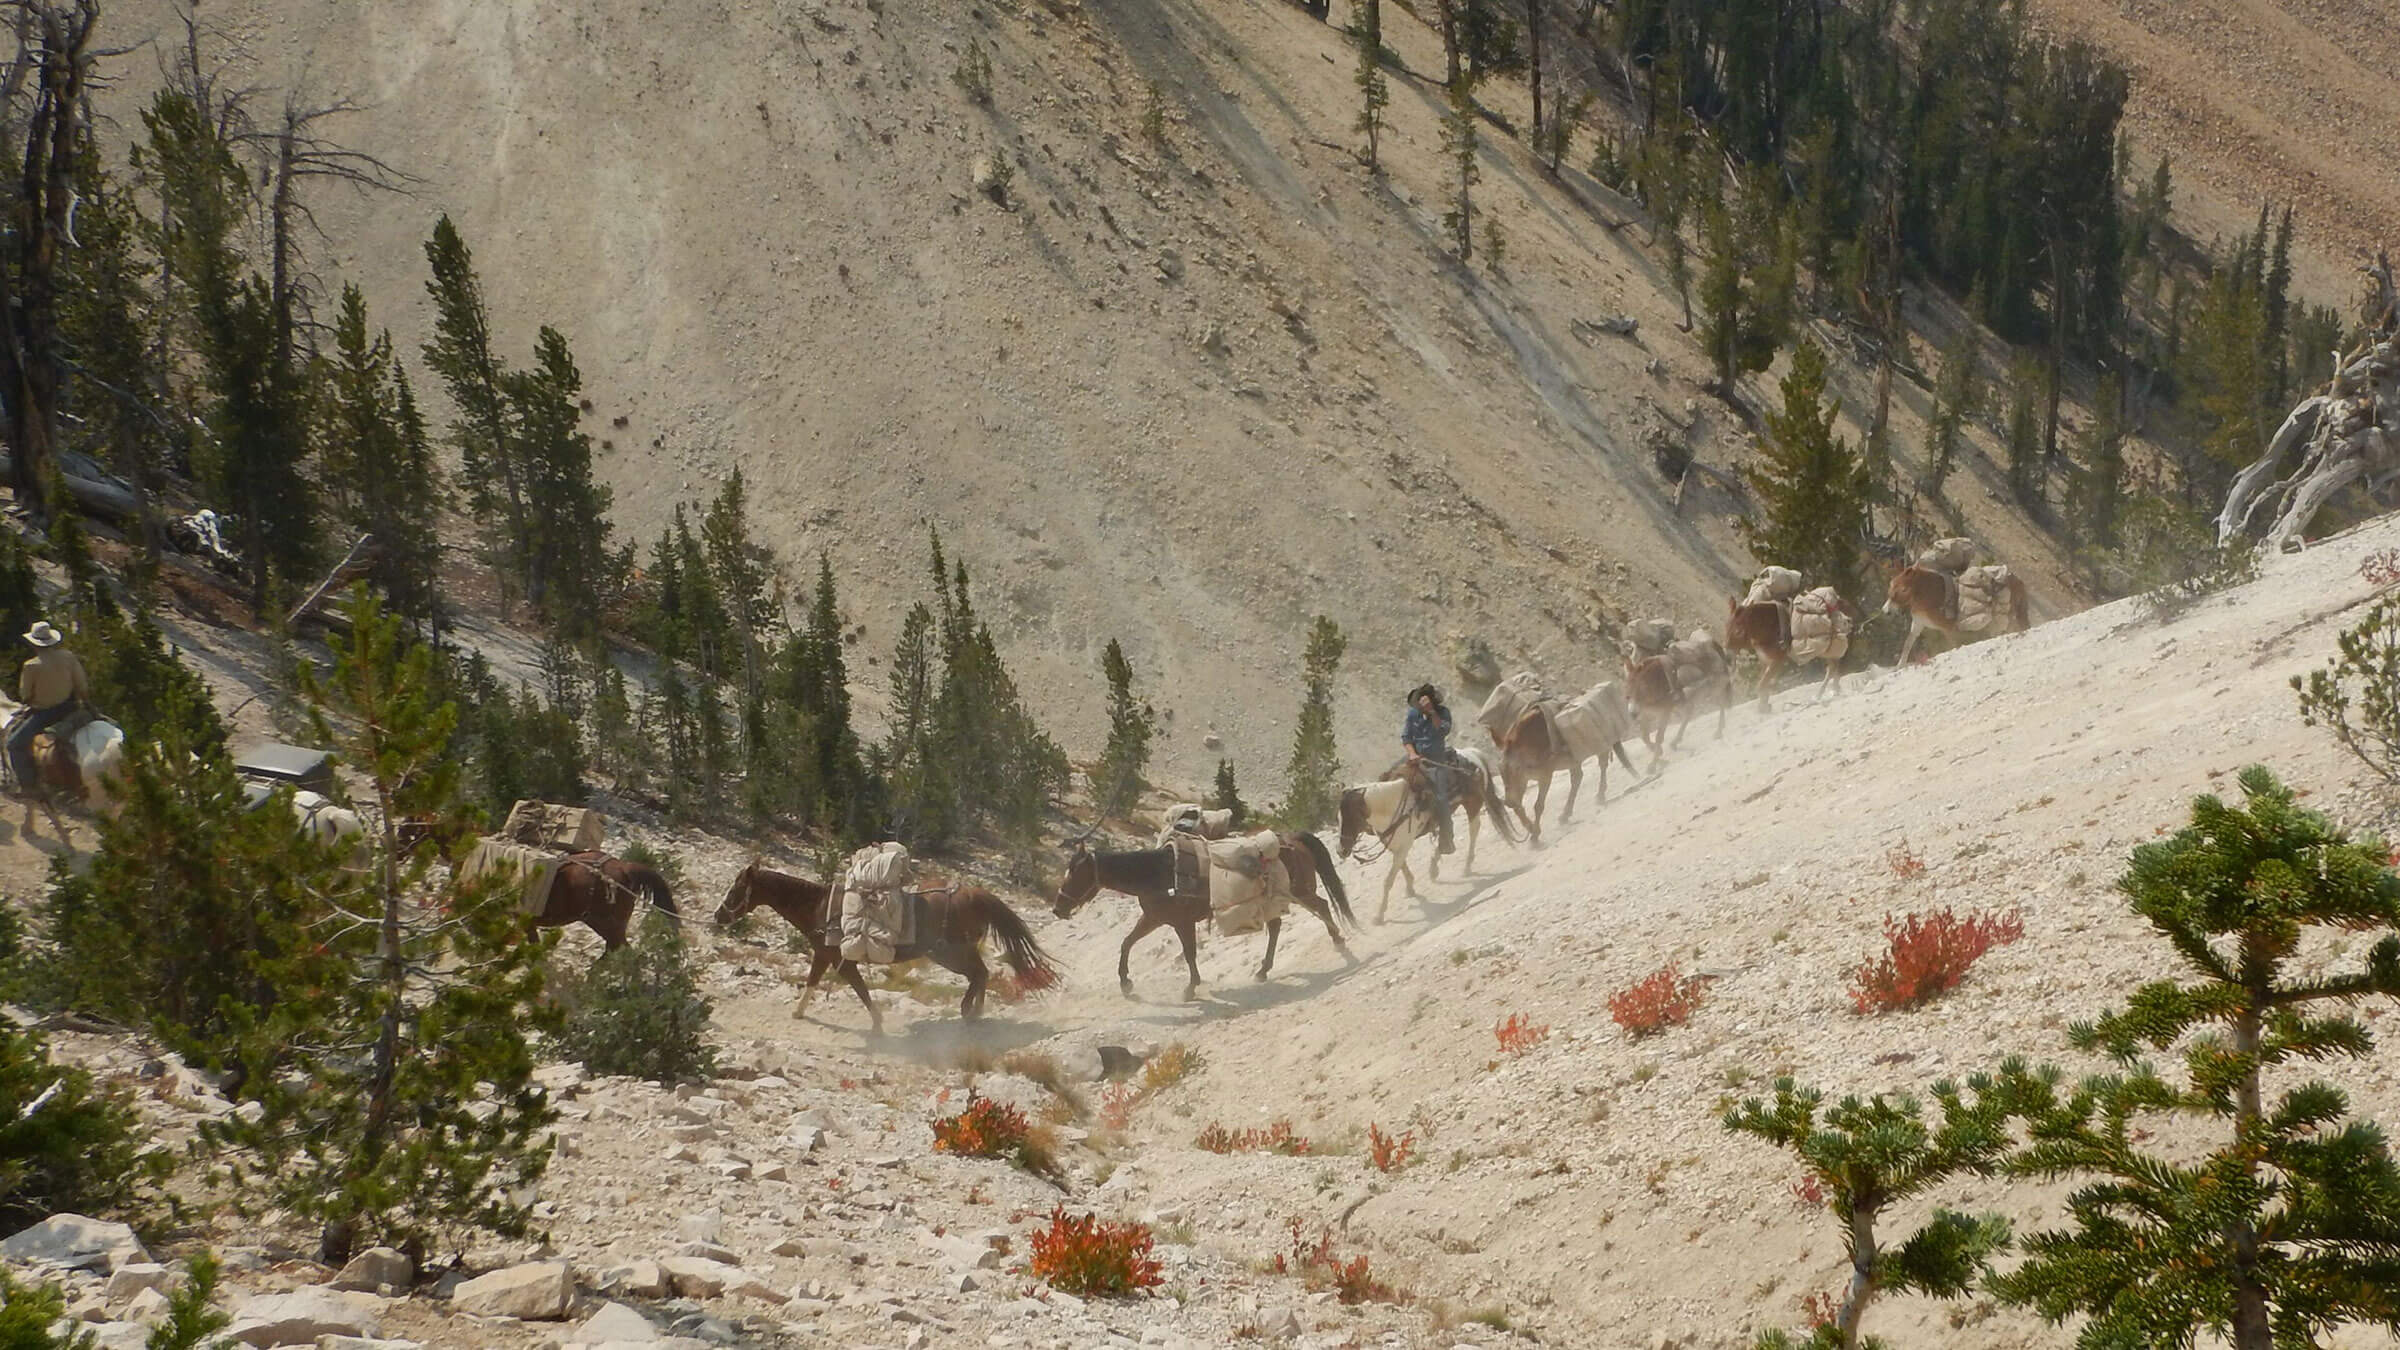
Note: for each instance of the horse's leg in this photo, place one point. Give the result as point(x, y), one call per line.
point(1909, 644)
point(1574, 786)
point(1475, 828)
point(1724, 703)
point(969, 962)
point(1541, 805)
point(819, 958)
point(1142, 928)
point(1274, 935)
point(858, 985)
point(1189, 931)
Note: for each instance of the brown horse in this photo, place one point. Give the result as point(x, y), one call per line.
point(959, 918)
point(1394, 809)
point(1533, 751)
point(1148, 875)
point(600, 892)
point(1931, 600)
point(1761, 628)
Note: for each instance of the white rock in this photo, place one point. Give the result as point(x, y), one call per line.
point(302, 1316)
point(615, 1323)
point(134, 1277)
point(540, 1291)
point(638, 1279)
point(697, 1277)
point(361, 1343)
point(804, 1139)
point(790, 1246)
point(149, 1305)
point(76, 1242)
point(375, 1268)
point(119, 1336)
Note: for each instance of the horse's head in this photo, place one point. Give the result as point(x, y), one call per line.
point(741, 897)
point(1353, 817)
point(1080, 884)
point(1737, 634)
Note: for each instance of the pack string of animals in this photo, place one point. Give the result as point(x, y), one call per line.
point(883, 909)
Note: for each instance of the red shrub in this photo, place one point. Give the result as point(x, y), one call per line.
point(990, 1129)
point(1928, 954)
point(1082, 1255)
point(1664, 999)
point(1517, 1034)
point(1809, 1191)
point(1354, 1283)
point(1276, 1138)
point(1117, 1101)
point(1389, 1154)
point(1820, 1309)
point(1353, 1280)
point(2381, 569)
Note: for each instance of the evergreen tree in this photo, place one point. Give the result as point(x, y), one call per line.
point(2024, 433)
point(1812, 491)
point(106, 329)
point(923, 808)
point(379, 466)
point(2227, 377)
point(639, 1011)
point(1228, 796)
point(1459, 144)
point(461, 353)
point(404, 1105)
point(1316, 767)
point(1869, 1156)
point(2100, 484)
point(1131, 724)
point(1374, 92)
point(1748, 284)
point(1957, 398)
point(566, 555)
point(2291, 1224)
point(66, 1143)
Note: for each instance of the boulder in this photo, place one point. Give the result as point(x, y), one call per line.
point(73, 1241)
point(709, 1251)
point(302, 1316)
point(119, 1336)
point(377, 1268)
point(706, 1226)
point(134, 1277)
point(615, 1324)
point(696, 1276)
point(637, 1279)
point(147, 1305)
point(539, 1291)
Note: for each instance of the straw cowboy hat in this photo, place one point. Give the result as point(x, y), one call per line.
point(43, 635)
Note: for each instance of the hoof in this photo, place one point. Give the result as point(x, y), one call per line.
point(1125, 987)
point(1260, 977)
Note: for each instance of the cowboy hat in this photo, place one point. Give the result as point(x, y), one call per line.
point(1424, 691)
point(43, 635)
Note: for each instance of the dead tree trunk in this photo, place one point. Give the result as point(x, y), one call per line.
point(29, 355)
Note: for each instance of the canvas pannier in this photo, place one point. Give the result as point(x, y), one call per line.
point(1508, 702)
point(534, 870)
point(1982, 593)
point(1774, 584)
point(1595, 723)
point(568, 829)
point(1247, 882)
point(1651, 637)
point(1820, 627)
point(1192, 818)
point(873, 902)
point(1948, 555)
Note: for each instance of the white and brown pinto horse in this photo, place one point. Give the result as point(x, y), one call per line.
point(1394, 811)
point(1931, 600)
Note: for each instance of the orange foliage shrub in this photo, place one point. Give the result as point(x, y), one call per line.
point(1275, 1138)
point(990, 1129)
point(1389, 1154)
point(1117, 1101)
point(1661, 1000)
point(1904, 862)
point(1082, 1255)
point(2381, 569)
point(1926, 955)
point(1518, 1034)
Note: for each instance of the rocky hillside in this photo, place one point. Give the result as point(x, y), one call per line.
point(1185, 391)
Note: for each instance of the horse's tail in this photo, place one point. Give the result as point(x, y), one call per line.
point(1331, 880)
point(651, 882)
point(1493, 799)
point(1033, 967)
point(2019, 607)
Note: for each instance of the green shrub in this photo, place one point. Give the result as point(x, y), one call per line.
point(2357, 695)
point(65, 1144)
point(639, 1010)
point(192, 1321)
point(27, 1314)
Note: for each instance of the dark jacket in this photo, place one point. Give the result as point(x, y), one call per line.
point(1428, 736)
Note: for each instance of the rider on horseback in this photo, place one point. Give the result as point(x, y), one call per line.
point(1426, 734)
point(52, 685)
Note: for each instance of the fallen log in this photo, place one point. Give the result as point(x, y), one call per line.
point(112, 502)
point(347, 569)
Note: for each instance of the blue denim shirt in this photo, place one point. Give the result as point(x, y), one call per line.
point(1427, 735)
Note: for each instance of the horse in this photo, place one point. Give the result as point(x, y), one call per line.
point(1148, 875)
point(1660, 683)
point(600, 892)
point(962, 917)
point(1931, 600)
point(89, 766)
point(1385, 808)
point(1534, 750)
point(1761, 628)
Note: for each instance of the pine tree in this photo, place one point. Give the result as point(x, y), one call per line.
point(566, 556)
point(2292, 1223)
point(2024, 432)
point(1869, 1156)
point(67, 1144)
point(1228, 796)
point(1459, 144)
point(1131, 724)
point(1316, 766)
point(461, 353)
point(1374, 92)
point(1812, 491)
point(923, 809)
point(379, 465)
point(105, 326)
point(403, 1107)
point(2100, 484)
point(1957, 399)
point(1748, 284)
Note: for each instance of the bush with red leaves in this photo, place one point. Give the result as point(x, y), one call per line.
point(1517, 1033)
point(1275, 1138)
point(1927, 954)
point(1086, 1257)
point(1389, 1154)
point(1665, 998)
